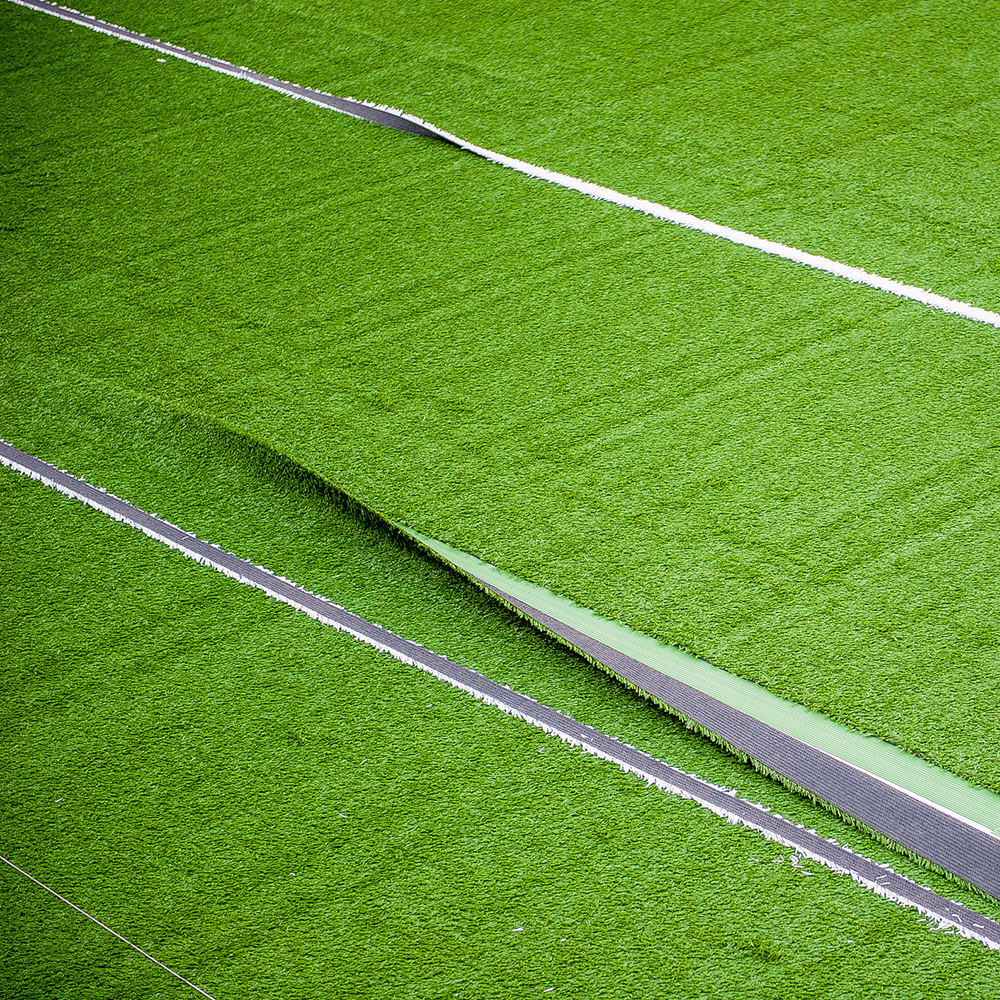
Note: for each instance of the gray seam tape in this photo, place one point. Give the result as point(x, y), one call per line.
point(880, 879)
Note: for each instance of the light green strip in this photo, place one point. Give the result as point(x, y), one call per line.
point(882, 759)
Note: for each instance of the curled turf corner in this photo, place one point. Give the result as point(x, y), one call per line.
point(933, 817)
point(949, 826)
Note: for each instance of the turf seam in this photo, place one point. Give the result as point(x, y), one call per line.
point(403, 121)
point(881, 879)
point(949, 840)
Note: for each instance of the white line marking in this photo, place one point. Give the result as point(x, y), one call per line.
point(125, 940)
point(569, 731)
point(596, 191)
point(854, 274)
point(600, 193)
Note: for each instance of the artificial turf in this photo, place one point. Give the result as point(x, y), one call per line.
point(781, 472)
point(771, 468)
point(273, 809)
point(862, 131)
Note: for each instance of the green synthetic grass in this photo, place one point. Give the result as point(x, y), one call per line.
point(785, 474)
point(240, 495)
point(812, 728)
point(861, 131)
point(180, 745)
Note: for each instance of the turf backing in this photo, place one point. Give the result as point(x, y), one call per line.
point(785, 474)
point(275, 810)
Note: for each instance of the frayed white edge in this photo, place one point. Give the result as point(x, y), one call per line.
point(948, 922)
point(574, 733)
point(596, 191)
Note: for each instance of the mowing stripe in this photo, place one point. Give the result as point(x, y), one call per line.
point(104, 926)
point(394, 118)
point(881, 879)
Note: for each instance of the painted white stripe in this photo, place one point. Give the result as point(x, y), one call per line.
point(597, 191)
point(855, 274)
point(572, 732)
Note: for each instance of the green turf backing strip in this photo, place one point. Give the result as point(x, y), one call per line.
point(941, 840)
point(871, 754)
point(654, 887)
